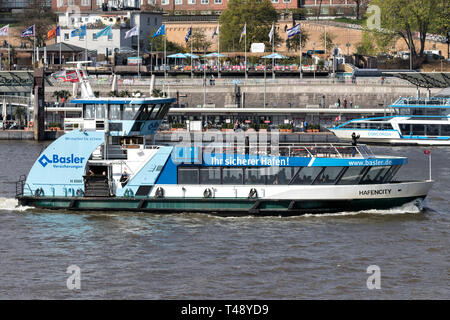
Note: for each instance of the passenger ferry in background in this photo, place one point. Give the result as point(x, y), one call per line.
point(85, 170)
point(414, 121)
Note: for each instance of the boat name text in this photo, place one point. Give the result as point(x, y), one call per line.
point(374, 192)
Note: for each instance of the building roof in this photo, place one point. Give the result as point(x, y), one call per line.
point(424, 79)
point(65, 47)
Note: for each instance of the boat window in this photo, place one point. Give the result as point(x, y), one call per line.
point(100, 111)
point(405, 129)
point(445, 130)
point(307, 175)
point(143, 113)
point(375, 174)
point(255, 176)
point(210, 175)
point(129, 111)
point(432, 129)
point(418, 129)
point(163, 112)
point(89, 112)
point(232, 175)
point(329, 175)
point(391, 173)
point(352, 175)
point(187, 175)
point(114, 112)
point(280, 175)
point(155, 111)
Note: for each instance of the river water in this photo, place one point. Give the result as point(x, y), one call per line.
point(194, 256)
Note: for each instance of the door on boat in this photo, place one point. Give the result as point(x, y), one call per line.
point(97, 181)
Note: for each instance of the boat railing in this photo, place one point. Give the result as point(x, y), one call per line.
point(322, 150)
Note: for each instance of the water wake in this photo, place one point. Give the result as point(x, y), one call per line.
point(11, 204)
point(412, 207)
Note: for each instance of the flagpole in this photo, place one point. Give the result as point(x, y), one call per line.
point(9, 50)
point(85, 46)
point(265, 82)
point(192, 71)
point(34, 51)
point(273, 51)
point(60, 40)
point(218, 52)
point(165, 57)
point(301, 72)
point(139, 74)
point(245, 46)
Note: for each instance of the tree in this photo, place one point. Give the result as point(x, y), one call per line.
point(359, 5)
point(405, 17)
point(328, 39)
point(259, 16)
point(199, 42)
point(20, 114)
point(42, 17)
point(293, 43)
point(366, 46)
point(157, 44)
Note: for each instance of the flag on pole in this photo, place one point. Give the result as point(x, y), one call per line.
point(28, 32)
point(53, 33)
point(427, 152)
point(188, 35)
point(79, 32)
point(216, 32)
point(271, 33)
point(293, 31)
point(244, 32)
point(338, 118)
point(104, 32)
point(160, 32)
point(4, 30)
point(132, 32)
point(67, 76)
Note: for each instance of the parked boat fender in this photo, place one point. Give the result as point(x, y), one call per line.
point(253, 193)
point(39, 192)
point(128, 193)
point(159, 193)
point(207, 193)
point(80, 193)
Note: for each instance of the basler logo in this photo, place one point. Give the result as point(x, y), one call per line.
point(56, 159)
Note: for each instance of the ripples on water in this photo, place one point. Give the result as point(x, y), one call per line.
point(196, 256)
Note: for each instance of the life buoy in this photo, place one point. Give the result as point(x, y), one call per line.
point(128, 193)
point(253, 193)
point(159, 193)
point(80, 193)
point(207, 193)
point(39, 192)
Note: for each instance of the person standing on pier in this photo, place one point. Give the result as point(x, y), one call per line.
point(345, 103)
point(339, 103)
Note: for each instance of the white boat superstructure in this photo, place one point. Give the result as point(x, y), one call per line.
point(417, 121)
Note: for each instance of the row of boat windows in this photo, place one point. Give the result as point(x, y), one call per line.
point(141, 112)
point(425, 129)
point(422, 111)
point(374, 125)
point(285, 175)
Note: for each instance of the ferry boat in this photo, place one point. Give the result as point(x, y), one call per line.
point(415, 121)
point(109, 163)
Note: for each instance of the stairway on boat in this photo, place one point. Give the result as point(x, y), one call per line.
point(96, 186)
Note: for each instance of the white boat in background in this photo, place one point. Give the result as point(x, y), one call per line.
point(415, 121)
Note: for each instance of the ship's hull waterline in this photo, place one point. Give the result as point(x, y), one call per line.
point(364, 197)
